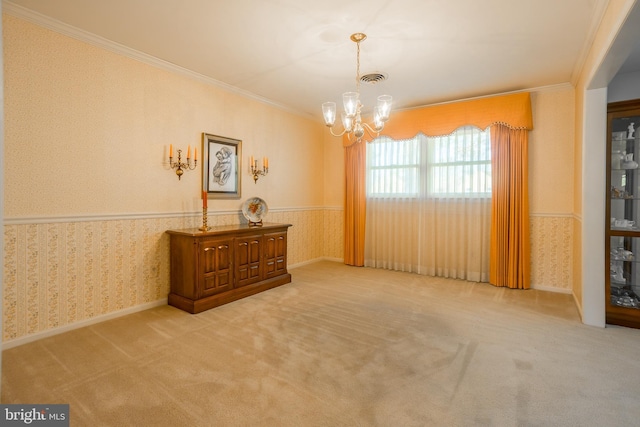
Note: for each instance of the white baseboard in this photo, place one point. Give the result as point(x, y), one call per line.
point(333, 259)
point(81, 324)
point(312, 261)
point(552, 289)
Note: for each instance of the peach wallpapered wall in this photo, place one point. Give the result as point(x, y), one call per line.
point(88, 194)
point(551, 188)
point(87, 132)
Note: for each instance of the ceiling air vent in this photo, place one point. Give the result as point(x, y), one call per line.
point(373, 78)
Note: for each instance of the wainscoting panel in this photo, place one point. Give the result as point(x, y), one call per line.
point(305, 237)
point(334, 234)
point(63, 272)
point(59, 273)
point(551, 252)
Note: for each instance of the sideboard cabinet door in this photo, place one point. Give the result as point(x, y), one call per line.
point(275, 257)
point(248, 268)
point(216, 267)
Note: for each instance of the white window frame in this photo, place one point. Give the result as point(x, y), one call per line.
point(423, 163)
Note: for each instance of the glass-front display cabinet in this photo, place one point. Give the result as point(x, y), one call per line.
point(623, 214)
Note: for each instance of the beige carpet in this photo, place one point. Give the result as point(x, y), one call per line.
point(342, 346)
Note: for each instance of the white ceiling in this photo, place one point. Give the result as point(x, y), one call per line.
point(297, 53)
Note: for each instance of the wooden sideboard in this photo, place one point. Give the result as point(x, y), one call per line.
point(226, 263)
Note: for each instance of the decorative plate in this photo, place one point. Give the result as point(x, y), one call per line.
point(254, 209)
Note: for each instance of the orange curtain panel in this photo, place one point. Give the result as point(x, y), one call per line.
point(509, 263)
point(354, 203)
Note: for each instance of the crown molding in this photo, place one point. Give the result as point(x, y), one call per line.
point(547, 88)
point(599, 11)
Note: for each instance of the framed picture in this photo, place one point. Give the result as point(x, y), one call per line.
point(221, 167)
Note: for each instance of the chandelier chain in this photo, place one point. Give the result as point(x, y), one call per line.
point(358, 67)
point(353, 126)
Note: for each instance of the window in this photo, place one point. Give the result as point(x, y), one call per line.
point(456, 165)
point(393, 167)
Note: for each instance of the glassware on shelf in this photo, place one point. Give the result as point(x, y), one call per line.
point(617, 276)
point(623, 296)
point(616, 159)
point(628, 162)
point(621, 254)
point(623, 275)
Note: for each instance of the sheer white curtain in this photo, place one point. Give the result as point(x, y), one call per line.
point(429, 206)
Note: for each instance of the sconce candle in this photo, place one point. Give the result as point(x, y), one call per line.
point(204, 200)
point(257, 172)
point(179, 165)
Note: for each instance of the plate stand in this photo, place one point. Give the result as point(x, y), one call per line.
point(255, 224)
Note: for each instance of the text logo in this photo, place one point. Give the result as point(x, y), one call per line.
point(34, 415)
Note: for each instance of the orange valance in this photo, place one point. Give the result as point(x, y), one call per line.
point(512, 110)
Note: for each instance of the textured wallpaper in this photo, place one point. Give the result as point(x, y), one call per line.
point(552, 252)
point(87, 132)
point(57, 274)
point(551, 151)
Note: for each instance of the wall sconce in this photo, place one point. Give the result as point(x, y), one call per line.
point(181, 166)
point(257, 172)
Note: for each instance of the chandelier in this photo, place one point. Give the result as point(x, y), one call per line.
point(351, 120)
